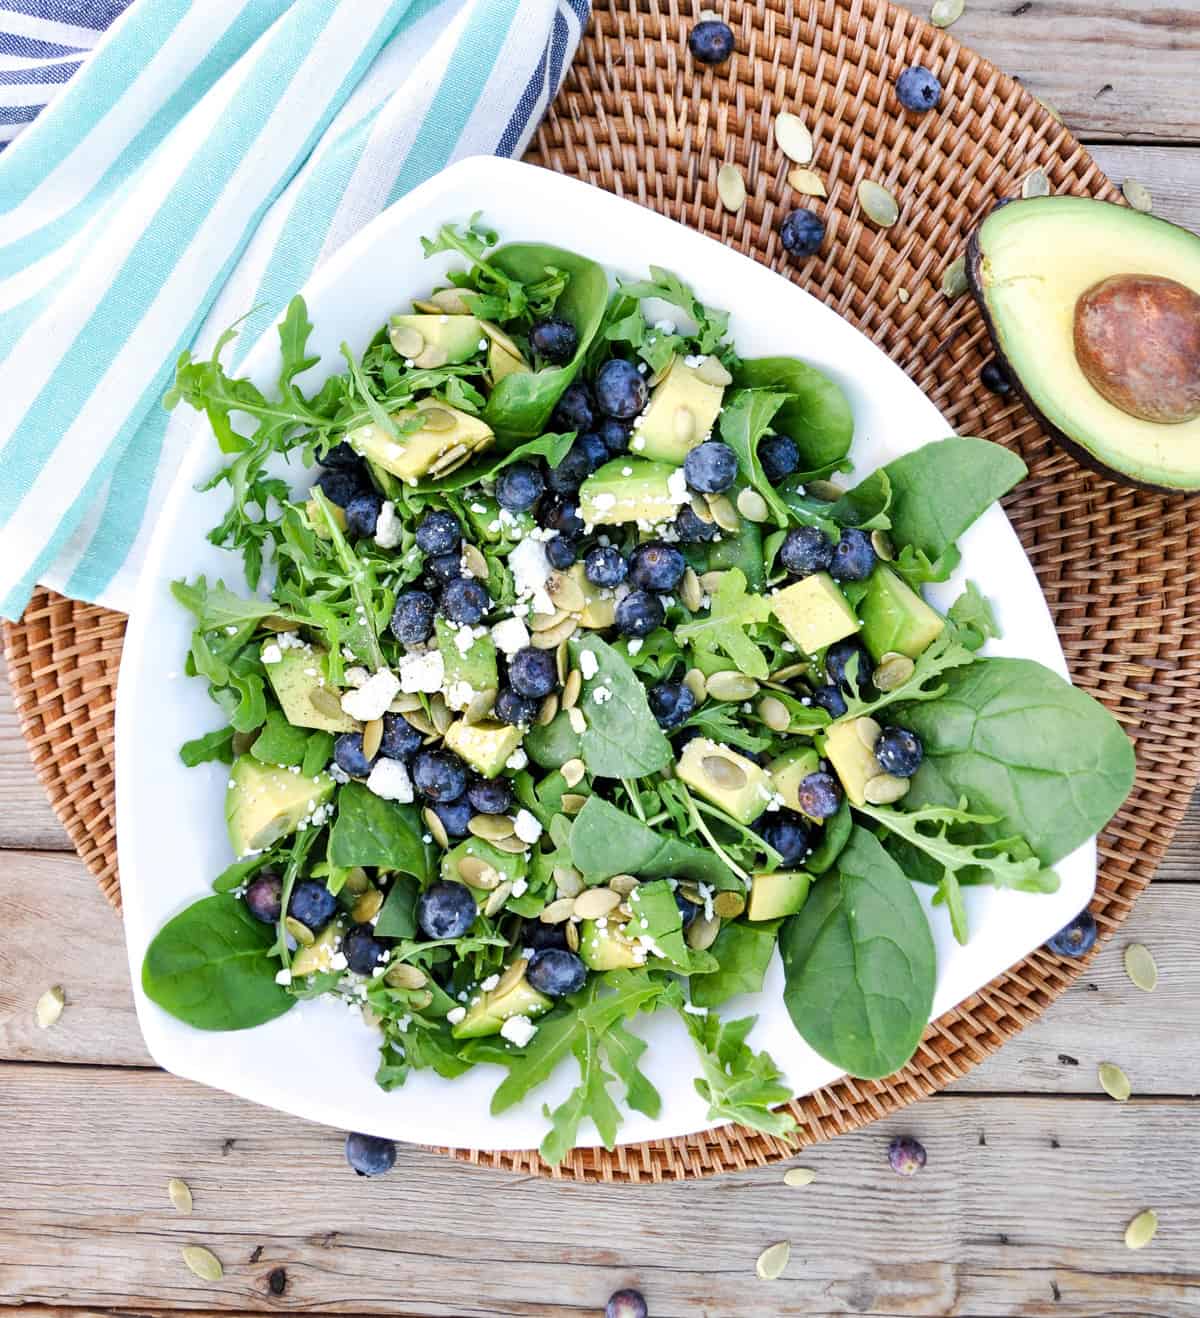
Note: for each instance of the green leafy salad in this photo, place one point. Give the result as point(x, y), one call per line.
point(570, 685)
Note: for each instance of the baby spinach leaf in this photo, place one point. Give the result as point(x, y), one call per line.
point(834, 837)
point(745, 419)
point(215, 745)
point(737, 1083)
point(209, 967)
point(743, 551)
point(866, 506)
point(817, 414)
point(743, 953)
point(860, 964)
point(723, 630)
point(371, 831)
point(280, 743)
point(622, 738)
point(656, 915)
point(973, 616)
point(398, 915)
point(318, 751)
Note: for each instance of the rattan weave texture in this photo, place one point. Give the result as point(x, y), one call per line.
point(1119, 567)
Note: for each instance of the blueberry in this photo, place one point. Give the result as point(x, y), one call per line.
point(802, 232)
point(594, 449)
point(445, 567)
point(455, 815)
point(995, 377)
point(605, 566)
point(519, 487)
point(412, 618)
point(556, 972)
point(348, 755)
point(573, 469)
point(670, 703)
point(805, 550)
point(312, 904)
point(853, 557)
point(656, 566)
point(446, 909)
point(779, 457)
point(515, 710)
point(918, 89)
point(615, 435)
point(362, 950)
point(711, 42)
point(554, 340)
point(536, 936)
point(681, 738)
point(370, 1155)
point(561, 552)
point(830, 699)
point(899, 752)
point(906, 1155)
point(562, 515)
point(439, 532)
point(439, 775)
point(820, 795)
point(842, 672)
point(400, 740)
point(490, 796)
point(621, 389)
point(639, 613)
point(340, 485)
point(691, 529)
point(263, 897)
point(573, 411)
point(711, 467)
point(533, 673)
point(362, 512)
point(787, 832)
point(1076, 938)
point(465, 600)
point(689, 910)
point(344, 458)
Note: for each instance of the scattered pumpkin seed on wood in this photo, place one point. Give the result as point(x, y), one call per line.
point(954, 278)
point(179, 1195)
point(772, 1261)
point(1137, 195)
point(878, 204)
point(203, 1263)
point(1036, 184)
point(1114, 1081)
point(1140, 967)
point(795, 141)
point(806, 181)
point(795, 1176)
point(1141, 1231)
point(945, 12)
point(731, 187)
point(49, 1007)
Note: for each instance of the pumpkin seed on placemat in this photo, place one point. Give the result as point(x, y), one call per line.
point(795, 141)
point(1140, 967)
point(731, 187)
point(1036, 184)
point(878, 204)
point(945, 12)
point(49, 1007)
point(954, 278)
point(807, 182)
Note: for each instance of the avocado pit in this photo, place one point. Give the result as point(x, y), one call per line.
point(1137, 340)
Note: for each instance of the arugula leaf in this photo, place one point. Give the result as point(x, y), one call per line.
point(743, 952)
point(711, 324)
point(318, 751)
point(945, 654)
point(280, 743)
point(216, 607)
point(215, 745)
point(656, 915)
point(623, 1051)
point(622, 738)
point(738, 1084)
point(370, 831)
point(972, 614)
point(745, 418)
point(915, 567)
point(723, 629)
point(590, 1098)
point(725, 723)
point(817, 415)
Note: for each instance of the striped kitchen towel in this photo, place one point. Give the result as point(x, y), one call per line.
point(204, 159)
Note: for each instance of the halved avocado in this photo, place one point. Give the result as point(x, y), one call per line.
point(1032, 265)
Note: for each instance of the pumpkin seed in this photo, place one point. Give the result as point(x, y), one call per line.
point(356, 880)
point(452, 457)
point(562, 661)
point(1137, 195)
point(1036, 184)
point(372, 737)
point(724, 513)
point(498, 337)
point(179, 1195)
point(711, 580)
point(945, 12)
point(772, 1261)
point(1141, 1231)
point(807, 182)
point(723, 773)
point(367, 907)
point(731, 685)
point(558, 911)
point(690, 592)
point(325, 702)
point(1114, 1081)
point(300, 932)
point(868, 732)
point(794, 139)
point(495, 902)
point(893, 671)
point(702, 933)
point(370, 1016)
point(405, 703)
point(885, 788)
point(572, 803)
point(878, 204)
point(573, 772)
point(433, 357)
point(1140, 967)
point(451, 300)
point(577, 721)
point(436, 418)
point(277, 623)
point(242, 741)
point(729, 905)
point(49, 1007)
point(792, 670)
point(568, 881)
point(512, 845)
point(476, 872)
point(436, 828)
point(420, 999)
point(702, 510)
point(407, 341)
point(203, 1263)
point(480, 705)
point(426, 308)
point(404, 976)
point(774, 713)
point(684, 424)
point(492, 828)
point(752, 506)
point(881, 543)
point(731, 187)
point(659, 376)
point(566, 592)
point(712, 371)
point(825, 491)
point(574, 685)
point(595, 902)
point(623, 884)
point(795, 1176)
point(572, 936)
point(556, 635)
point(544, 622)
point(695, 682)
point(692, 892)
point(547, 710)
point(417, 718)
point(440, 711)
point(474, 562)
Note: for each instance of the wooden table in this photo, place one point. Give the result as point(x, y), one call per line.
point(1033, 1172)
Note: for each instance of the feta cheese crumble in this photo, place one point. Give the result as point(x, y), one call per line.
point(456, 1014)
point(510, 635)
point(371, 699)
point(589, 665)
point(527, 827)
point(518, 1030)
point(531, 570)
point(389, 779)
point(422, 672)
point(388, 527)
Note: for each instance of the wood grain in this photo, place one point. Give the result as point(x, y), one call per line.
point(1171, 173)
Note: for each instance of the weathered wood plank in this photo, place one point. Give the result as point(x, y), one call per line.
point(26, 819)
point(1171, 173)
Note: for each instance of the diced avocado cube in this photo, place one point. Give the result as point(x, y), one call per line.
point(502, 363)
point(507, 864)
point(683, 409)
point(446, 340)
point(469, 673)
point(316, 518)
point(605, 947)
point(600, 604)
point(486, 746)
point(264, 803)
point(318, 955)
point(814, 612)
point(487, 527)
point(895, 619)
point(415, 452)
point(853, 760)
point(632, 490)
point(730, 781)
point(489, 1013)
point(790, 769)
point(295, 677)
point(775, 895)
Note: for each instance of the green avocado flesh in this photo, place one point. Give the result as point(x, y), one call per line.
point(1031, 261)
point(264, 803)
point(488, 1014)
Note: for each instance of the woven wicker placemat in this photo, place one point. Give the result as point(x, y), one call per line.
point(1118, 566)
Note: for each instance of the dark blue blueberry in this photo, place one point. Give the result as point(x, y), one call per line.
point(779, 457)
point(574, 468)
point(711, 42)
point(594, 448)
point(656, 566)
point(689, 910)
point(670, 703)
point(490, 796)
point(830, 699)
point(362, 950)
point(805, 550)
point(312, 904)
point(621, 389)
point(573, 411)
point(899, 752)
point(906, 1156)
point(438, 532)
point(362, 512)
point(839, 665)
point(918, 90)
point(562, 515)
point(348, 755)
point(605, 566)
point(455, 815)
point(340, 485)
point(446, 909)
point(400, 740)
point(465, 600)
point(554, 340)
point(537, 936)
point(439, 775)
point(345, 458)
point(787, 832)
point(445, 567)
point(519, 487)
point(615, 435)
point(561, 552)
point(1076, 938)
point(412, 618)
point(711, 467)
point(533, 673)
point(820, 795)
point(680, 739)
point(639, 613)
point(517, 711)
point(370, 1155)
point(802, 232)
point(996, 378)
point(853, 557)
point(691, 529)
point(556, 972)
point(263, 897)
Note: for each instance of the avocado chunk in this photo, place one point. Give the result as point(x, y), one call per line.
point(470, 673)
point(486, 746)
point(728, 780)
point(775, 895)
point(316, 518)
point(683, 409)
point(508, 865)
point(814, 612)
point(1041, 269)
point(489, 1012)
point(853, 760)
point(605, 947)
point(632, 490)
point(895, 619)
point(417, 452)
point(443, 341)
point(295, 678)
point(264, 803)
point(318, 955)
point(790, 769)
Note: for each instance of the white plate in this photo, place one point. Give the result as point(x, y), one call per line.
point(318, 1061)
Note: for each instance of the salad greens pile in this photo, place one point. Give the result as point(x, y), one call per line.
point(570, 687)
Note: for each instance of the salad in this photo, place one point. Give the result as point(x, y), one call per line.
point(570, 686)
